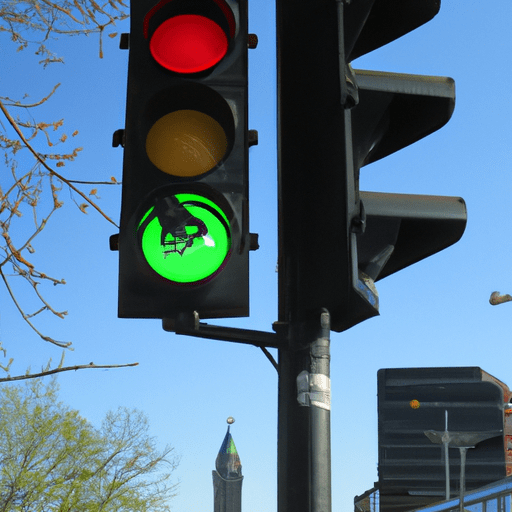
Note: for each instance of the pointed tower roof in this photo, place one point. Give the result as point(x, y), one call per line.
point(228, 463)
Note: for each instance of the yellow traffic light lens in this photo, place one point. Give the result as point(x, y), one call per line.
point(186, 143)
point(188, 43)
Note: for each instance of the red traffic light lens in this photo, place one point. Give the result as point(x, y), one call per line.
point(188, 43)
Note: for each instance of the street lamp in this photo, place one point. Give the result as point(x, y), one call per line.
point(462, 441)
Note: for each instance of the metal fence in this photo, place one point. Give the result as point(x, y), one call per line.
point(495, 497)
point(368, 502)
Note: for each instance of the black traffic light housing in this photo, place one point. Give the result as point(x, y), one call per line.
point(335, 240)
point(395, 110)
point(406, 228)
point(184, 234)
point(371, 24)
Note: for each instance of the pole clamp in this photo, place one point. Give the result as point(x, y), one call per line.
point(314, 389)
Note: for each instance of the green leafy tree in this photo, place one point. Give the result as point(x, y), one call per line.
point(52, 459)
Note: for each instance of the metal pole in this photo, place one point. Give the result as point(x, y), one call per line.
point(320, 414)
point(446, 446)
point(446, 456)
point(463, 450)
point(293, 436)
point(312, 187)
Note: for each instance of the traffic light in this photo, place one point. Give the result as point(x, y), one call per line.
point(413, 402)
point(335, 240)
point(184, 234)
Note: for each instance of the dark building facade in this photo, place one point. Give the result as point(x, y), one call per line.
point(414, 401)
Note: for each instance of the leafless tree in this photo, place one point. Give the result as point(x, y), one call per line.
point(30, 193)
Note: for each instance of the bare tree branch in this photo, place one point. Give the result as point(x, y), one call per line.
point(35, 190)
point(41, 160)
point(62, 344)
point(65, 369)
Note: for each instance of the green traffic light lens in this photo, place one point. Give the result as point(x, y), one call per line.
point(185, 238)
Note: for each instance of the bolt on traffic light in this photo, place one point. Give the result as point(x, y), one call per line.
point(184, 235)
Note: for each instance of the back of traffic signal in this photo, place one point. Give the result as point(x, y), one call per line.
point(335, 240)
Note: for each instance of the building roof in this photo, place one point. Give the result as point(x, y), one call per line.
point(228, 463)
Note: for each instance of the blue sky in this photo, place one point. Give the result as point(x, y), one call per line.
point(435, 313)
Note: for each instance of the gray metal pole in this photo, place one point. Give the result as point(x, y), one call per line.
point(462, 441)
point(463, 450)
point(446, 456)
point(446, 445)
point(320, 414)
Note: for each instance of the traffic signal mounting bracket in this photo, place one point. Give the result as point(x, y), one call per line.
point(190, 325)
point(284, 337)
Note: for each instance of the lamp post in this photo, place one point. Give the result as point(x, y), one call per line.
point(462, 441)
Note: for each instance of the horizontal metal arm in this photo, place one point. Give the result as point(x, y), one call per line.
point(191, 326)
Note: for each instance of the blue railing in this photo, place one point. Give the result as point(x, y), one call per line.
point(495, 497)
